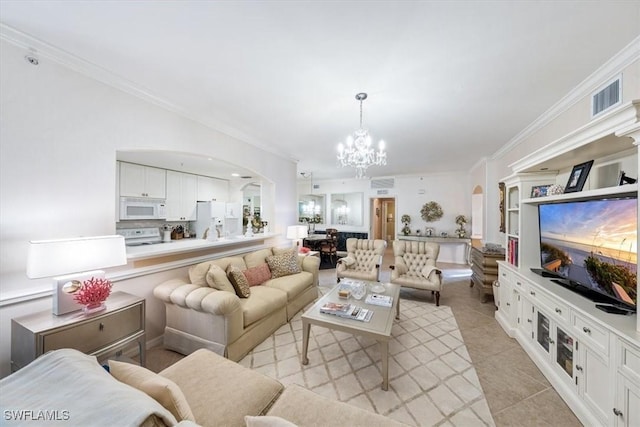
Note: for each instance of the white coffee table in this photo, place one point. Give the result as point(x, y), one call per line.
point(379, 328)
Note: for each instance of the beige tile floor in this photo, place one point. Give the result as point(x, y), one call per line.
point(516, 391)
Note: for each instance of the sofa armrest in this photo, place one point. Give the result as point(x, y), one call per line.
point(164, 290)
point(311, 264)
point(428, 270)
point(200, 298)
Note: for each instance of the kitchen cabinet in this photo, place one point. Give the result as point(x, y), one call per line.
point(142, 181)
point(182, 196)
point(212, 189)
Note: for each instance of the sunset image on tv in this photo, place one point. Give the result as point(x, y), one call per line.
point(594, 243)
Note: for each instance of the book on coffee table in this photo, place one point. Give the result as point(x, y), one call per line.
point(381, 300)
point(347, 311)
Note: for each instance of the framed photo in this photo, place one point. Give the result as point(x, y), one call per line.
point(624, 179)
point(578, 177)
point(540, 190)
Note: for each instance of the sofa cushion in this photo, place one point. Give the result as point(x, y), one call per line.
point(257, 275)
point(163, 390)
point(292, 285)
point(283, 264)
point(217, 279)
point(256, 258)
point(198, 273)
point(239, 282)
point(263, 301)
point(221, 392)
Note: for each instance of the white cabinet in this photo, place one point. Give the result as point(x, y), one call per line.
point(626, 410)
point(142, 181)
point(212, 189)
point(182, 194)
point(594, 380)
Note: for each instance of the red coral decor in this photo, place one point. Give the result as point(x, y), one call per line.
point(93, 293)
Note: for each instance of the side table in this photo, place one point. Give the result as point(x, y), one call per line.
point(484, 270)
point(100, 334)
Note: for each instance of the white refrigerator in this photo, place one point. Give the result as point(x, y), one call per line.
point(227, 217)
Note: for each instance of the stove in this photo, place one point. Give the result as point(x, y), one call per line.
point(140, 236)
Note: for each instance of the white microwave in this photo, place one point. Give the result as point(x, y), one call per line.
point(142, 208)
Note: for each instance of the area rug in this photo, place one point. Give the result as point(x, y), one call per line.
point(431, 379)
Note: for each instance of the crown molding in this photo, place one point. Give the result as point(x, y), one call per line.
point(607, 71)
point(43, 49)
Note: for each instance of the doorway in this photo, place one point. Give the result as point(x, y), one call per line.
point(383, 215)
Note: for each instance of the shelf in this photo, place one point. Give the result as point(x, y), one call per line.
point(618, 191)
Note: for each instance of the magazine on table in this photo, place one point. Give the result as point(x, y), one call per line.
point(347, 311)
point(381, 300)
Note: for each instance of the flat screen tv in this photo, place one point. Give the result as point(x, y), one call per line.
point(591, 247)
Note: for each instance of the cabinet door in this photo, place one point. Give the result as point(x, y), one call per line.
point(189, 196)
point(155, 183)
point(174, 200)
point(132, 180)
point(526, 317)
point(594, 381)
point(627, 409)
point(564, 351)
point(206, 188)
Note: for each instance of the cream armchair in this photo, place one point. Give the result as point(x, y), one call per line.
point(415, 266)
point(363, 260)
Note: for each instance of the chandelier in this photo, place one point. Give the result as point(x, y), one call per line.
point(358, 152)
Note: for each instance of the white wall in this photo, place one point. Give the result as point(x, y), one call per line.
point(59, 132)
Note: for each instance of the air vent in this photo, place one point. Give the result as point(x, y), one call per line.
point(316, 186)
point(382, 183)
point(607, 97)
point(382, 192)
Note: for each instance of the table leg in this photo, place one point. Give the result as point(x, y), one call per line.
point(306, 328)
point(398, 309)
point(384, 355)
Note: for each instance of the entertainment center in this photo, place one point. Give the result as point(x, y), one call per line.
point(589, 355)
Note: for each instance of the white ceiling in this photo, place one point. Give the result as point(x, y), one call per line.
point(448, 81)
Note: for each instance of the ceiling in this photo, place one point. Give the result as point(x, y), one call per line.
point(449, 82)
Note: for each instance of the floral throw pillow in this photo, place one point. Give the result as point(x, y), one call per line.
point(239, 281)
point(257, 275)
point(283, 264)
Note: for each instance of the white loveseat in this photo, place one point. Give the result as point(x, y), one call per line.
point(201, 315)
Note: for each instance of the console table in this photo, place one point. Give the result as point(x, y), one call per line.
point(100, 334)
point(442, 241)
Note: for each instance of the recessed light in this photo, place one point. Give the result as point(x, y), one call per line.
point(235, 174)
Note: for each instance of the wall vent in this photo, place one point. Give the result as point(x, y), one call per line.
point(382, 192)
point(316, 186)
point(382, 183)
point(607, 97)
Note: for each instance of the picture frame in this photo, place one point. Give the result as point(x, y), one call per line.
point(501, 192)
point(540, 190)
point(578, 177)
point(624, 179)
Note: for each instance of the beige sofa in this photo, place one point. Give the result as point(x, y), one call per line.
point(202, 389)
point(200, 315)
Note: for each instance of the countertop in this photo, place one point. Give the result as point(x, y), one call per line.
point(188, 245)
point(436, 239)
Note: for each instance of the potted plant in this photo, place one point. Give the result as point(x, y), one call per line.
point(461, 220)
point(406, 220)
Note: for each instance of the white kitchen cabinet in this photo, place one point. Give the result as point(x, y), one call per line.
point(182, 196)
point(212, 189)
point(142, 181)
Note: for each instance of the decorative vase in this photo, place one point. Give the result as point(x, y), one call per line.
point(94, 307)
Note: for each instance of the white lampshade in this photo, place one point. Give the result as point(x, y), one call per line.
point(49, 258)
point(296, 232)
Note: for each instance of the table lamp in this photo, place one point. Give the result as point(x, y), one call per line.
point(49, 258)
point(297, 233)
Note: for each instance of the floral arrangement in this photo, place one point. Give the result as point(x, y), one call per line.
point(93, 291)
point(461, 220)
point(431, 211)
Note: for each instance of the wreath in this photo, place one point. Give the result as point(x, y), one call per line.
point(431, 211)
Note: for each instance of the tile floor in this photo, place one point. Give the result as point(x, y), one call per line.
point(516, 392)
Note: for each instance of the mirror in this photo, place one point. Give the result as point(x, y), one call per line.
point(251, 205)
point(346, 209)
point(311, 208)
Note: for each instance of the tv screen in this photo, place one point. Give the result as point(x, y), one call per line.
point(593, 244)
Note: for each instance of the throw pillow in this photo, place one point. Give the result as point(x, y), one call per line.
point(197, 273)
point(283, 264)
point(257, 275)
point(162, 389)
point(267, 421)
point(217, 279)
point(239, 282)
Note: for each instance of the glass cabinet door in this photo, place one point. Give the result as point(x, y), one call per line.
point(564, 351)
point(543, 336)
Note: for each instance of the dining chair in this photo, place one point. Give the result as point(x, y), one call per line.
point(329, 246)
